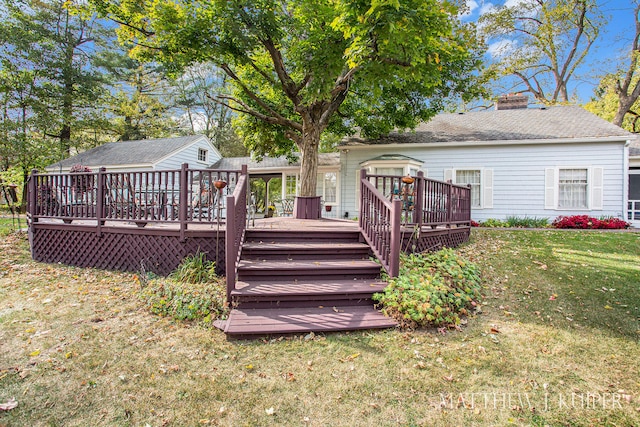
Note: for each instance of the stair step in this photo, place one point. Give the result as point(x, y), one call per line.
point(276, 235)
point(304, 250)
point(304, 269)
point(305, 293)
point(249, 323)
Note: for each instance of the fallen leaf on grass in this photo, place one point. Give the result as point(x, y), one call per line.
point(350, 357)
point(553, 297)
point(11, 403)
point(34, 353)
point(270, 411)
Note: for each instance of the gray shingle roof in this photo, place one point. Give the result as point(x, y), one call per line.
point(144, 151)
point(505, 125)
point(234, 163)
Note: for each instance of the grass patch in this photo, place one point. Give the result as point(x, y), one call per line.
point(78, 348)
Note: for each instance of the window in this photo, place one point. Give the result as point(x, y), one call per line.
point(327, 187)
point(290, 186)
point(390, 171)
point(572, 189)
point(202, 155)
point(472, 178)
point(481, 182)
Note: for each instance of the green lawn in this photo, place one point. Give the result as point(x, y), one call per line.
point(556, 343)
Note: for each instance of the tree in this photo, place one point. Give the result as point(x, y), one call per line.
point(301, 67)
point(54, 42)
point(618, 92)
point(541, 43)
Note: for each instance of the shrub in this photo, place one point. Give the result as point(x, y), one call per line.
point(192, 292)
point(431, 289)
point(195, 269)
point(492, 222)
point(587, 222)
point(526, 222)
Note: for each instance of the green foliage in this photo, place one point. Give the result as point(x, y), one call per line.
point(191, 292)
point(492, 222)
point(202, 302)
point(300, 67)
point(526, 222)
point(431, 289)
point(195, 269)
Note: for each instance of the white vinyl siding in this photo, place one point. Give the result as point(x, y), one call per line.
point(523, 177)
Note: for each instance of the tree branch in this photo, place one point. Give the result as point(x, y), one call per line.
point(282, 120)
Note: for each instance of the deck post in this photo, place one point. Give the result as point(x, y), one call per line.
point(32, 208)
point(100, 201)
point(230, 250)
point(363, 175)
point(394, 256)
point(183, 200)
point(449, 204)
point(419, 200)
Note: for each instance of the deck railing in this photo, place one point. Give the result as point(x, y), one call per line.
point(184, 195)
point(421, 202)
point(425, 201)
point(236, 226)
point(379, 222)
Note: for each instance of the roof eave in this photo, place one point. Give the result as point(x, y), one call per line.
point(360, 145)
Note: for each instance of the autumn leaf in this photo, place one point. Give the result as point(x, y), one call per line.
point(34, 353)
point(270, 411)
point(9, 405)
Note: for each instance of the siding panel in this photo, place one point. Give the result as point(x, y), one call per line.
point(519, 173)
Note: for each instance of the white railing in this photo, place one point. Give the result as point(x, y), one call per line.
point(633, 210)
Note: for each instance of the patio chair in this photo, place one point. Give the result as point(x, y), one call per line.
point(284, 207)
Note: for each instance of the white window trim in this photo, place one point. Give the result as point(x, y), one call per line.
point(206, 155)
point(406, 165)
point(486, 184)
point(337, 172)
point(595, 185)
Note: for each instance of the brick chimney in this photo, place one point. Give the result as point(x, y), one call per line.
point(513, 101)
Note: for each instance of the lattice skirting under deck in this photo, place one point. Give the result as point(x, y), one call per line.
point(122, 251)
point(433, 240)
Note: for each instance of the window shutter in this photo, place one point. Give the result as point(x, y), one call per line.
point(487, 188)
point(597, 188)
point(448, 175)
point(550, 188)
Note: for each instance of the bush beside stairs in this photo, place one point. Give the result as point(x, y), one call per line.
point(293, 282)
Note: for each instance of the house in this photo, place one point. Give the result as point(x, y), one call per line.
point(535, 162)
point(147, 154)
point(633, 213)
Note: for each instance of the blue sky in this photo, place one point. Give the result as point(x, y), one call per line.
point(606, 55)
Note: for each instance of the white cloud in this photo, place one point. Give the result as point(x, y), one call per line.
point(487, 8)
point(471, 6)
point(502, 48)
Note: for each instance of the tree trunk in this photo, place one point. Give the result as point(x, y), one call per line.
point(309, 158)
point(624, 105)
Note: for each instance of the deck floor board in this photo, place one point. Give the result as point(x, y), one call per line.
point(296, 320)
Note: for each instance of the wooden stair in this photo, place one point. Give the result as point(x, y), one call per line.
point(298, 282)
